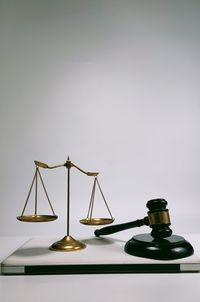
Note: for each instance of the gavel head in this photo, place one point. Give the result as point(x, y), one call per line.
point(159, 219)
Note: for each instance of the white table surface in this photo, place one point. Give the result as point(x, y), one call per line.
point(115, 287)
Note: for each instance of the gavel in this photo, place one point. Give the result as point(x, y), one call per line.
point(158, 219)
point(160, 244)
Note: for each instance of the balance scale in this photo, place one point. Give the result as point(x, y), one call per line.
point(68, 243)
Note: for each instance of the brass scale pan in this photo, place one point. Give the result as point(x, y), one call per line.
point(37, 218)
point(96, 221)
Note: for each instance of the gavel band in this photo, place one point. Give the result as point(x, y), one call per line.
point(161, 217)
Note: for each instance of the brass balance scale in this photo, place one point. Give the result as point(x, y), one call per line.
point(68, 243)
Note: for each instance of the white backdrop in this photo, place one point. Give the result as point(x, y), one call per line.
point(114, 85)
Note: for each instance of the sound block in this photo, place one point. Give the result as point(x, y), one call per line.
point(173, 247)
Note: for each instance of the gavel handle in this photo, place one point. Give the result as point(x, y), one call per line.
point(121, 227)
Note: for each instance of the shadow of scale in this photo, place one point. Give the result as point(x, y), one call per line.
point(68, 243)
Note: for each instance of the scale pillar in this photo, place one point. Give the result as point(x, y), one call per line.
point(68, 243)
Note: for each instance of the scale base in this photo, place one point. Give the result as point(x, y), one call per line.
point(173, 247)
point(67, 244)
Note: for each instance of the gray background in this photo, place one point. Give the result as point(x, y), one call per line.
point(112, 84)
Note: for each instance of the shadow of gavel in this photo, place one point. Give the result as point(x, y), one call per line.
point(160, 243)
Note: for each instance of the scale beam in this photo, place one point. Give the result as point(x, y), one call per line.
point(68, 164)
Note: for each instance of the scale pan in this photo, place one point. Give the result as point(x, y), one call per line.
point(96, 221)
point(37, 218)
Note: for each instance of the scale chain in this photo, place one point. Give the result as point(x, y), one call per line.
point(45, 190)
point(104, 198)
point(29, 193)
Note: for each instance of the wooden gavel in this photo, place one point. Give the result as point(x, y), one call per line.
point(157, 218)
